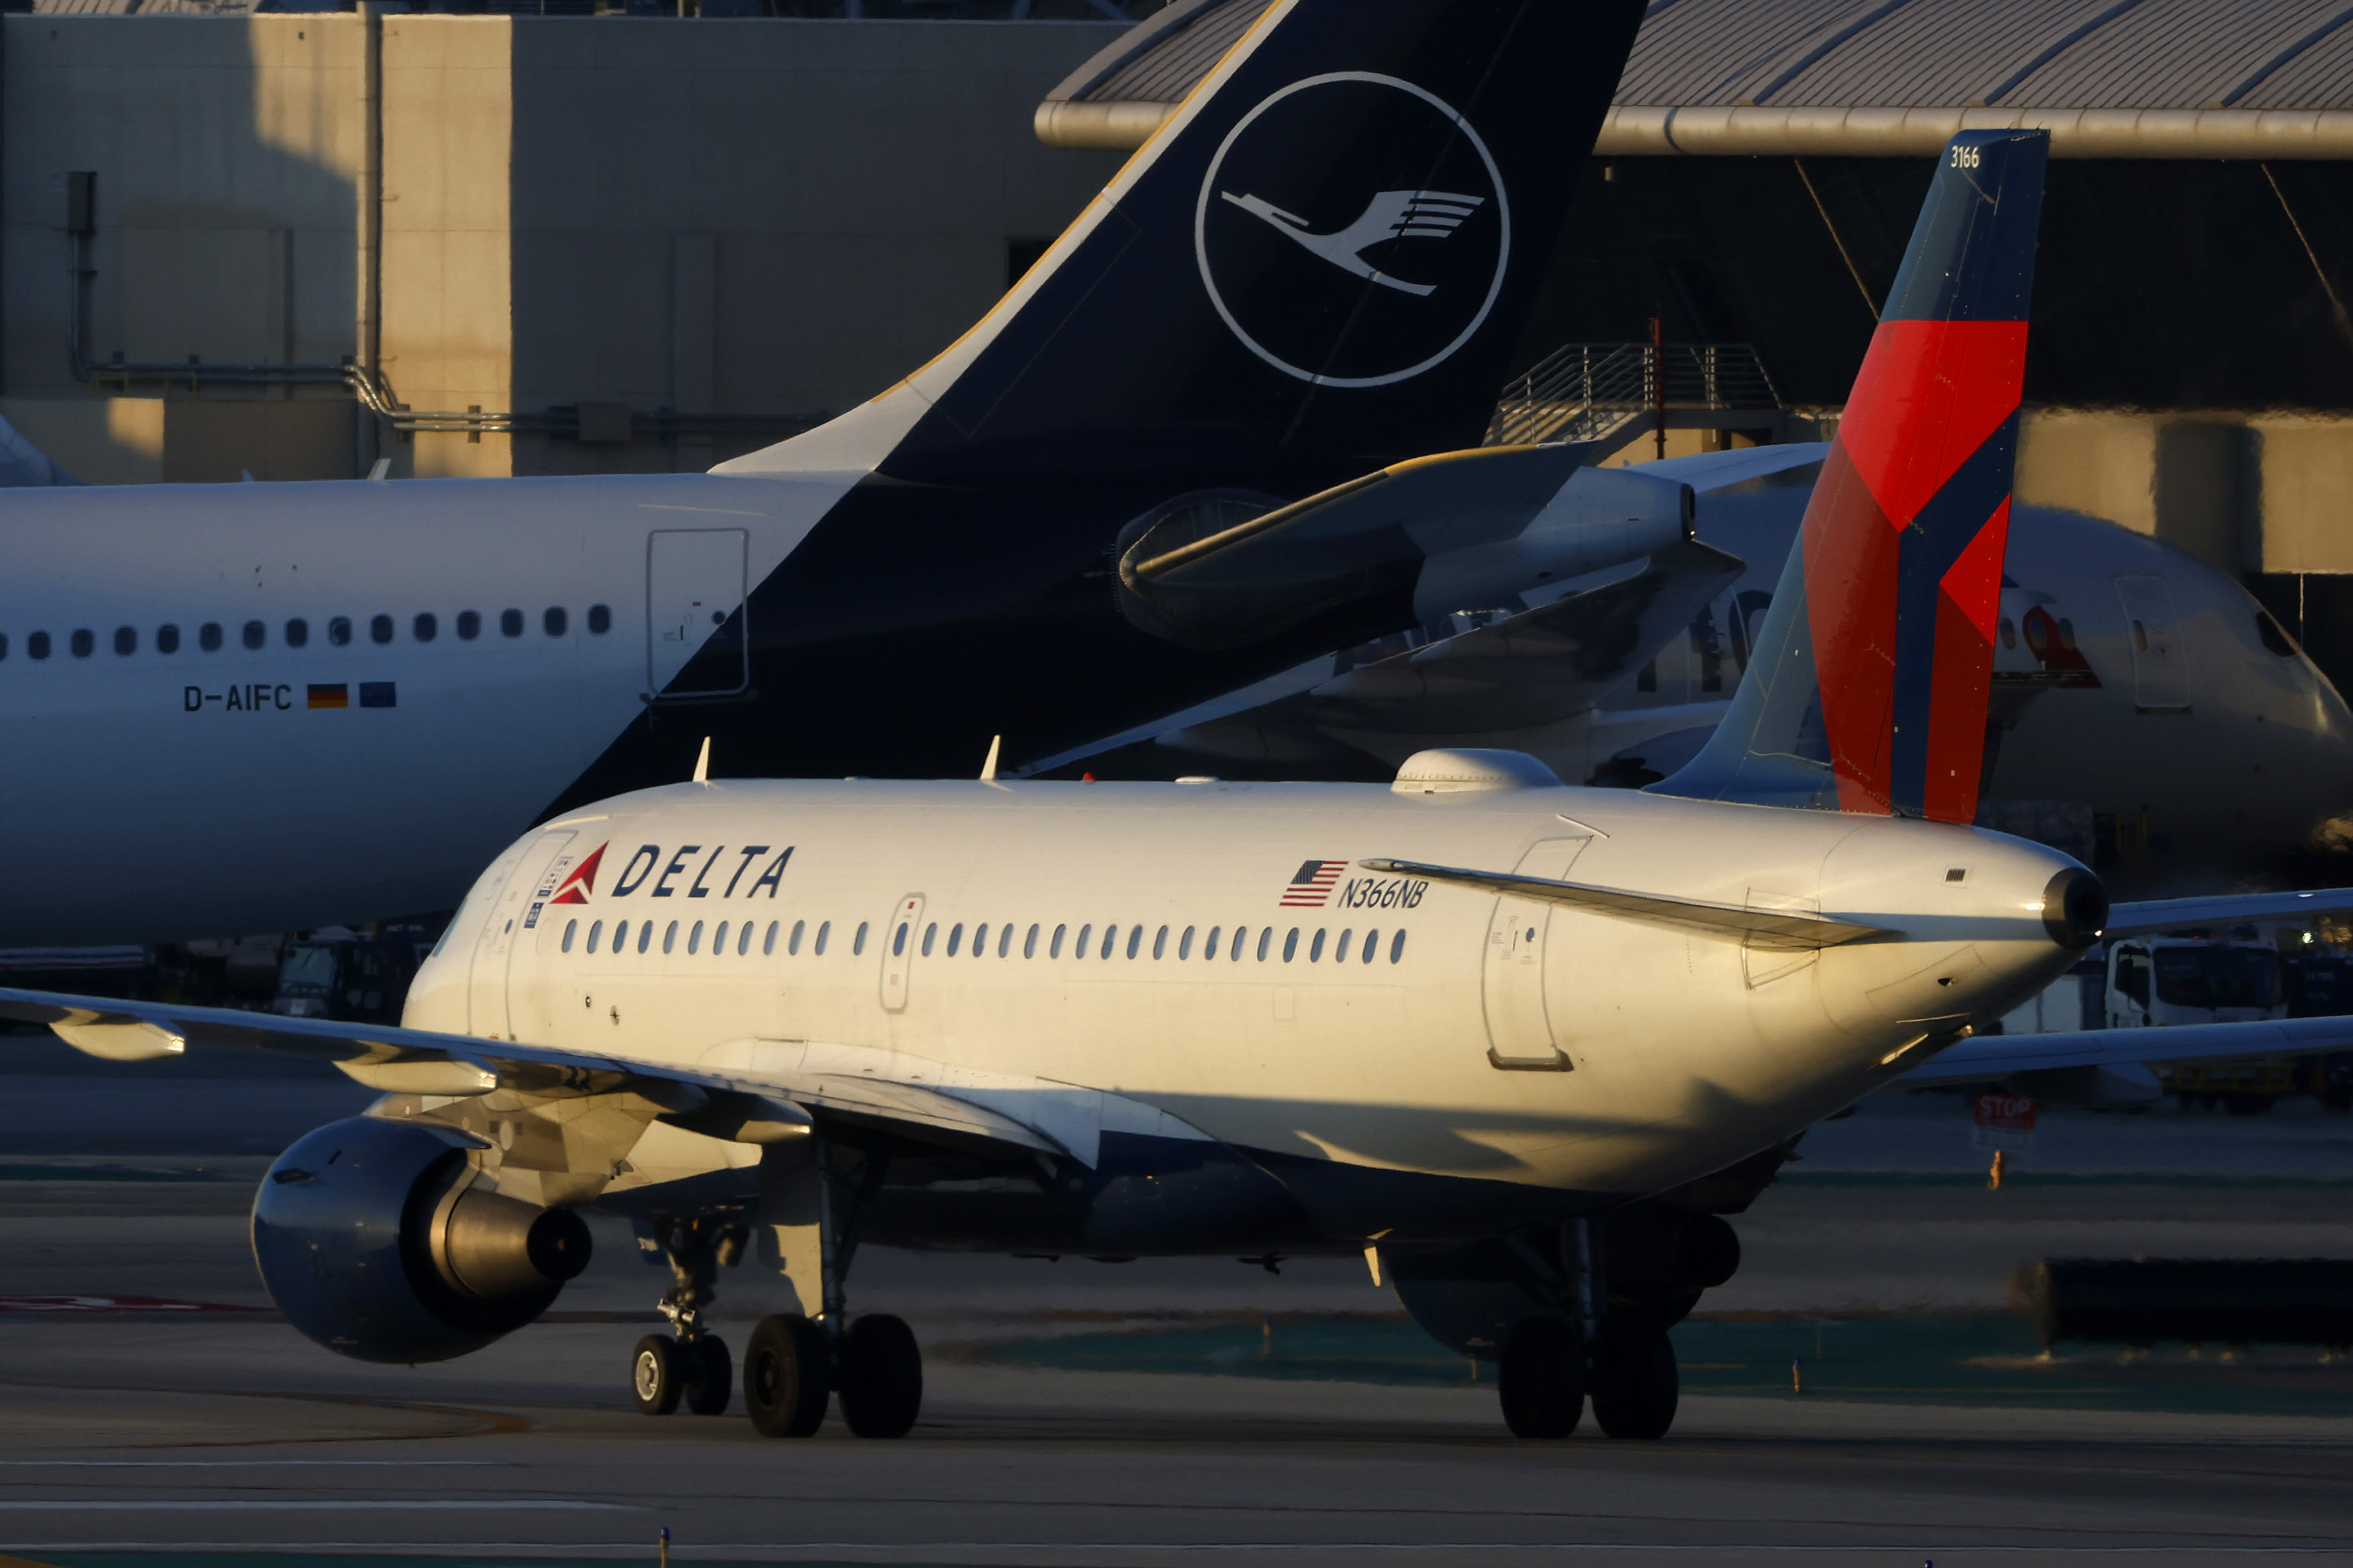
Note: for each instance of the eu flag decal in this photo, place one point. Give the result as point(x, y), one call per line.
point(336, 695)
point(377, 694)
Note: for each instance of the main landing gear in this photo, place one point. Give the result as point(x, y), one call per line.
point(794, 1364)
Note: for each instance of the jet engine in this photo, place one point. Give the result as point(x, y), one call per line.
point(374, 1241)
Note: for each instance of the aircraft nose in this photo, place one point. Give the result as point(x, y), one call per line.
point(2074, 907)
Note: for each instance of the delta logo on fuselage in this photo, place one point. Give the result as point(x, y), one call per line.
point(1336, 182)
point(693, 862)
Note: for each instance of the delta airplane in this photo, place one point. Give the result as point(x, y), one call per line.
point(1521, 1044)
point(354, 693)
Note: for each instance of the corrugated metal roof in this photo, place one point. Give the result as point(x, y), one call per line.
point(1797, 54)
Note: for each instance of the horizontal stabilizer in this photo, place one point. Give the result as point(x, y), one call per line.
point(2226, 909)
point(1794, 928)
point(2000, 1056)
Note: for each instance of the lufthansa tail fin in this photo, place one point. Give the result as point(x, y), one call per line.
point(1316, 267)
point(1867, 692)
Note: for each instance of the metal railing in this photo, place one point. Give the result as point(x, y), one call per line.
point(1588, 391)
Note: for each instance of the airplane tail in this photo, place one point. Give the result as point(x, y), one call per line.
point(1317, 267)
point(1867, 692)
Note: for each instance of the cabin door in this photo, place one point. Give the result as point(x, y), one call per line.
point(2160, 664)
point(1520, 1033)
point(694, 606)
point(900, 940)
point(514, 911)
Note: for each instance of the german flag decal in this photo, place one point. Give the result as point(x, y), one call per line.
point(335, 696)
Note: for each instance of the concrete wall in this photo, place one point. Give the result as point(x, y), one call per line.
point(2270, 493)
point(767, 218)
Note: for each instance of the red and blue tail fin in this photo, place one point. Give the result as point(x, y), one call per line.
point(1868, 688)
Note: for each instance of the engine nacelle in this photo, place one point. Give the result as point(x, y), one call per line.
point(373, 1239)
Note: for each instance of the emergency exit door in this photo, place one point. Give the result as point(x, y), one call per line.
point(1520, 1028)
point(694, 606)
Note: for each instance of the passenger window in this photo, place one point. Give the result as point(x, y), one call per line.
point(955, 938)
point(595, 929)
point(1209, 948)
point(208, 637)
point(1030, 943)
point(793, 946)
point(1290, 945)
point(600, 618)
point(1372, 945)
point(825, 931)
point(510, 623)
point(1004, 940)
point(298, 632)
point(930, 931)
point(470, 624)
point(1397, 947)
point(554, 621)
point(979, 940)
point(645, 935)
point(1111, 936)
point(857, 946)
point(898, 939)
point(255, 634)
point(569, 928)
point(1159, 943)
point(1315, 947)
point(620, 934)
point(1266, 934)
point(83, 643)
point(693, 939)
point(338, 631)
point(425, 627)
point(4, 644)
point(38, 645)
point(1085, 932)
point(1241, 934)
point(767, 944)
point(380, 629)
point(126, 641)
point(718, 940)
point(167, 638)
point(670, 936)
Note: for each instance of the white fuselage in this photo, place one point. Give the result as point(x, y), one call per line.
point(1213, 952)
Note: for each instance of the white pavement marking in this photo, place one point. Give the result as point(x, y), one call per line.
point(305, 1505)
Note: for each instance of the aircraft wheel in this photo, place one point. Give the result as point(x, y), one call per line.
point(1635, 1388)
point(656, 1376)
point(1541, 1380)
point(882, 1378)
point(710, 1374)
point(784, 1376)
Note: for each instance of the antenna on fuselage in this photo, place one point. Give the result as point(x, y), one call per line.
point(702, 763)
point(989, 768)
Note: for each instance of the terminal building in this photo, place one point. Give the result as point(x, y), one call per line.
point(538, 239)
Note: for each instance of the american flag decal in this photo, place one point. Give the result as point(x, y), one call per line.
point(1311, 884)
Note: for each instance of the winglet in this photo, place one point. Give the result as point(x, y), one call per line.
point(1868, 689)
point(702, 763)
point(989, 768)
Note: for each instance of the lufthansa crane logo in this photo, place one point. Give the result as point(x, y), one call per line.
point(1336, 183)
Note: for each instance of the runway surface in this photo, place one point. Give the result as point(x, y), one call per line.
point(1283, 1419)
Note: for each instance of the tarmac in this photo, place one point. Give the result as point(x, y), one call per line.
point(155, 1412)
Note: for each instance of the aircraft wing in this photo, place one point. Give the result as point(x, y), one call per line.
point(2224, 909)
point(1705, 471)
point(1525, 670)
point(785, 1085)
point(2001, 1056)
